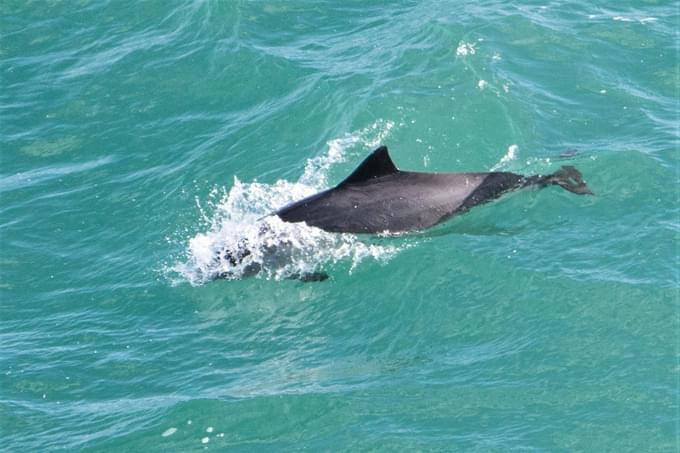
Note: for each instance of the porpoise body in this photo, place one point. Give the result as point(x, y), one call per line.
point(379, 198)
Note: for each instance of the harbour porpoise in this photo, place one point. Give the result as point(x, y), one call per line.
point(379, 198)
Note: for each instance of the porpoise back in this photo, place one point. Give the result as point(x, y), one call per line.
point(377, 197)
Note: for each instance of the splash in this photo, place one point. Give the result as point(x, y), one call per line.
point(239, 220)
point(509, 156)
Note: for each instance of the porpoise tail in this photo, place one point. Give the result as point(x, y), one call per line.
point(570, 179)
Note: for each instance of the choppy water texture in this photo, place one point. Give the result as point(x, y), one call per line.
point(138, 137)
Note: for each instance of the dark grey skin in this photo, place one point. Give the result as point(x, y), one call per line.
point(379, 198)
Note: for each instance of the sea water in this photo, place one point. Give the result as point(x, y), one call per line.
point(137, 139)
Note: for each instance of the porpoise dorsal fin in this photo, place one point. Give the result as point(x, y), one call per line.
point(376, 165)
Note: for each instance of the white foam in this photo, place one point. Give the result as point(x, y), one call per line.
point(169, 432)
point(623, 18)
point(509, 156)
point(482, 84)
point(642, 20)
point(239, 217)
point(465, 48)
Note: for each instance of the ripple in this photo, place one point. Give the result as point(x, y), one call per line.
point(41, 175)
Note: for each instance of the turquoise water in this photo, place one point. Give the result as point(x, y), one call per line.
point(138, 137)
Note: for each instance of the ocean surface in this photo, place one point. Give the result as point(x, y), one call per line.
point(137, 139)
